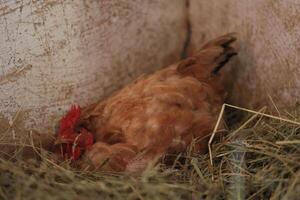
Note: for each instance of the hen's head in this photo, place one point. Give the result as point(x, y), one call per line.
point(72, 139)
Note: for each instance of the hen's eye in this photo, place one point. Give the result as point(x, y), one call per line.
point(77, 130)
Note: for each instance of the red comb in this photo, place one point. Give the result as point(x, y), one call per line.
point(71, 118)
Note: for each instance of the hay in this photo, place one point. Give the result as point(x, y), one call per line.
point(257, 159)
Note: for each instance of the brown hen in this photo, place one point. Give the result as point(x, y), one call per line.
point(158, 114)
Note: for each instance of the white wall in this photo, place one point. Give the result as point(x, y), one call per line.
point(54, 53)
point(269, 40)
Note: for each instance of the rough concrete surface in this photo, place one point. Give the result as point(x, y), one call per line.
point(55, 53)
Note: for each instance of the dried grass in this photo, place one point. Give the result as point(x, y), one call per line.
point(256, 159)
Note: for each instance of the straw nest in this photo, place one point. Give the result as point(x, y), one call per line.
point(258, 158)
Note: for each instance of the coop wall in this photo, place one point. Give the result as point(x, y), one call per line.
point(57, 53)
point(266, 71)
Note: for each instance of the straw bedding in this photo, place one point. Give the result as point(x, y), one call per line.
point(258, 157)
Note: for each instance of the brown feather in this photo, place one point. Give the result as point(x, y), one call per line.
point(160, 113)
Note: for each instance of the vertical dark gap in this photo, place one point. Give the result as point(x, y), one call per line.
point(184, 52)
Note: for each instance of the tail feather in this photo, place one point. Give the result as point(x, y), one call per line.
point(224, 41)
point(211, 58)
point(222, 60)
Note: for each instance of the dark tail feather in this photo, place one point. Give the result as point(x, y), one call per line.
point(228, 53)
point(224, 41)
point(210, 59)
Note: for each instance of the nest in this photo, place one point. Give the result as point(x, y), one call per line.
point(258, 158)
